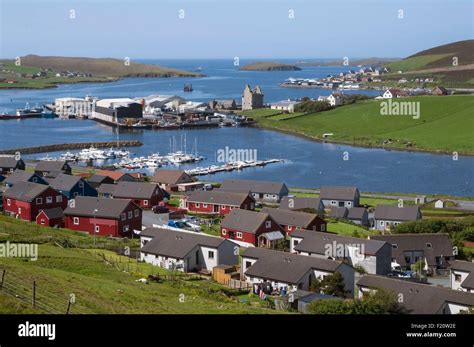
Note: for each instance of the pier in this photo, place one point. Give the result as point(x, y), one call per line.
point(71, 146)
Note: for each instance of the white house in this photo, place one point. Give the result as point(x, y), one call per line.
point(185, 251)
point(285, 105)
point(291, 271)
point(74, 106)
point(335, 99)
point(418, 298)
point(394, 93)
point(462, 276)
point(440, 203)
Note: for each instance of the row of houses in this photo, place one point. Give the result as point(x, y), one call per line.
point(284, 272)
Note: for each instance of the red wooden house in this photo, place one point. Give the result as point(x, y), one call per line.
point(247, 226)
point(52, 217)
point(294, 220)
point(146, 195)
point(104, 217)
point(217, 202)
point(25, 200)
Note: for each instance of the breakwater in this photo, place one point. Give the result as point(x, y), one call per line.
point(71, 146)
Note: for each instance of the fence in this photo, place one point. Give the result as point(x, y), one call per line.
point(30, 293)
point(236, 284)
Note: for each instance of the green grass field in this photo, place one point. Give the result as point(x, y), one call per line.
point(415, 63)
point(101, 280)
point(445, 125)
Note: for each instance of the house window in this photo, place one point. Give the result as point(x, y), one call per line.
point(349, 203)
point(123, 216)
point(298, 228)
point(248, 264)
point(49, 199)
point(130, 214)
point(145, 202)
point(204, 205)
point(59, 198)
point(75, 194)
point(39, 201)
point(211, 255)
point(197, 204)
point(381, 223)
point(137, 213)
point(239, 235)
point(224, 232)
point(268, 224)
point(290, 227)
point(323, 227)
point(125, 229)
point(395, 246)
point(42, 222)
point(97, 228)
point(334, 203)
point(9, 202)
point(75, 220)
point(34, 179)
point(81, 184)
point(457, 278)
point(295, 243)
point(429, 245)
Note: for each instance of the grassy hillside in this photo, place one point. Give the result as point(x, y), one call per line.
point(98, 69)
point(101, 281)
point(445, 125)
point(269, 66)
point(437, 57)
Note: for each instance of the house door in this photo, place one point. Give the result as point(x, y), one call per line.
point(216, 208)
point(197, 257)
point(341, 203)
point(231, 235)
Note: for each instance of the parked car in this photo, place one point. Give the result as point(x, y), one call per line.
point(160, 209)
point(207, 186)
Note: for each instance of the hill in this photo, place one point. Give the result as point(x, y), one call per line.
point(269, 66)
point(101, 281)
point(445, 125)
point(437, 63)
point(41, 71)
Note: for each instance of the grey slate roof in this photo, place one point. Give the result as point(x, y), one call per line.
point(338, 212)
point(50, 165)
point(285, 267)
point(217, 197)
point(244, 220)
point(289, 217)
point(299, 203)
point(178, 244)
point(25, 191)
point(132, 190)
point(98, 179)
point(19, 176)
point(338, 193)
point(254, 186)
point(64, 182)
point(54, 213)
point(315, 242)
point(8, 161)
point(418, 298)
point(356, 213)
point(106, 208)
point(440, 245)
point(393, 212)
point(170, 176)
point(465, 266)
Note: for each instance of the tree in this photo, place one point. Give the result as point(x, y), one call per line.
point(377, 302)
point(331, 285)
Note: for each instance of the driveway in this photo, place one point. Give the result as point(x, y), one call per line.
point(150, 218)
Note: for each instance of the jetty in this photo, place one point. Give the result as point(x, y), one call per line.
point(71, 146)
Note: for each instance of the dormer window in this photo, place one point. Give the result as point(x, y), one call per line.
point(268, 224)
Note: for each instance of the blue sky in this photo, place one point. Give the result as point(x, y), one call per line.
point(229, 28)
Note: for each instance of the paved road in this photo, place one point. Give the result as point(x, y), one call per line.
point(462, 204)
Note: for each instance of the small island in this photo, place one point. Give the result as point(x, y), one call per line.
point(269, 66)
point(37, 72)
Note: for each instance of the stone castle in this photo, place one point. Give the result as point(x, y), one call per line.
point(252, 98)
